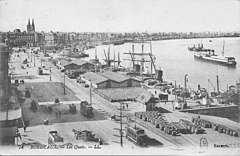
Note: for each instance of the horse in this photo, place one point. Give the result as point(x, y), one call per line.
point(113, 117)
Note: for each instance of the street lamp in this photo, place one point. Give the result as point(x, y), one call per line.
point(185, 88)
point(41, 62)
point(64, 88)
point(31, 54)
point(90, 91)
point(34, 60)
point(185, 82)
point(121, 133)
point(50, 74)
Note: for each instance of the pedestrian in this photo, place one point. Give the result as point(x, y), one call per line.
point(123, 107)
point(19, 135)
point(24, 128)
point(155, 92)
point(127, 106)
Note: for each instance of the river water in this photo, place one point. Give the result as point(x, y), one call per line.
point(173, 57)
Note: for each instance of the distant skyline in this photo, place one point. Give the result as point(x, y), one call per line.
point(121, 15)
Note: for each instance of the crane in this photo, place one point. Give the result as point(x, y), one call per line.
point(211, 85)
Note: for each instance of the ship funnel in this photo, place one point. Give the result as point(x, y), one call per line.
point(159, 75)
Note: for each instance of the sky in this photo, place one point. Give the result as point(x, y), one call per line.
point(121, 15)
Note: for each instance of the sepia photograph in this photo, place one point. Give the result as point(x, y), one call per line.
point(120, 77)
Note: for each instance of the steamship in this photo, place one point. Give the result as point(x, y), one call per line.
point(211, 57)
point(229, 61)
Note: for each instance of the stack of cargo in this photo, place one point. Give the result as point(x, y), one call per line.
point(149, 116)
point(173, 128)
point(157, 120)
point(191, 128)
point(217, 127)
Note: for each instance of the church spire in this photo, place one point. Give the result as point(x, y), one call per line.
point(33, 26)
point(29, 26)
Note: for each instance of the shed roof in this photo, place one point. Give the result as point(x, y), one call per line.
point(144, 97)
point(64, 62)
point(115, 76)
point(94, 77)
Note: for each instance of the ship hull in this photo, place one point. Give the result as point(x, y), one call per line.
point(231, 64)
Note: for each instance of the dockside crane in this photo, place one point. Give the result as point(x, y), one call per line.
point(132, 57)
point(152, 63)
point(209, 81)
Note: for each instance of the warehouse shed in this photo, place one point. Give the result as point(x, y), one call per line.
point(97, 80)
point(118, 80)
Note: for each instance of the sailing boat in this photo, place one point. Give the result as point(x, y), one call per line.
point(211, 57)
point(95, 60)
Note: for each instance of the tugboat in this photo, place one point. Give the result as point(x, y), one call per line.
point(199, 48)
point(211, 57)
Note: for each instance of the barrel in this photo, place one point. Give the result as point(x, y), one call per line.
point(210, 125)
point(216, 127)
point(220, 129)
point(235, 134)
point(228, 131)
point(153, 121)
point(145, 118)
point(192, 129)
point(224, 130)
point(193, 120)
point(162, 128)
point(174, 133)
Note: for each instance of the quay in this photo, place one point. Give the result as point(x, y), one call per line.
point(101, 123)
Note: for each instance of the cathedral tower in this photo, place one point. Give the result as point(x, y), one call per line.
point(33, 26)
point(28, 26)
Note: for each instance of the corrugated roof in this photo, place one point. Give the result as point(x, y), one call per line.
point(64, 62)
point(94, 77)
point(115, 76)
point(144, 97)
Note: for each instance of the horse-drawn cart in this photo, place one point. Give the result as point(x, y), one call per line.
point(86, 135)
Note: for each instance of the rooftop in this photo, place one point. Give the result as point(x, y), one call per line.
point(80, 62)
point(115, 76)
point(64, 62)
point(94, 77)
point(144, 97)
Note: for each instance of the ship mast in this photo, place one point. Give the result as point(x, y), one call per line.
point(118, 59)
point(150, 54)
point(114, 60)
point(217, 83)
point(133, 51)
point(223, 48)
point(96, 53)
point(142, 59)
